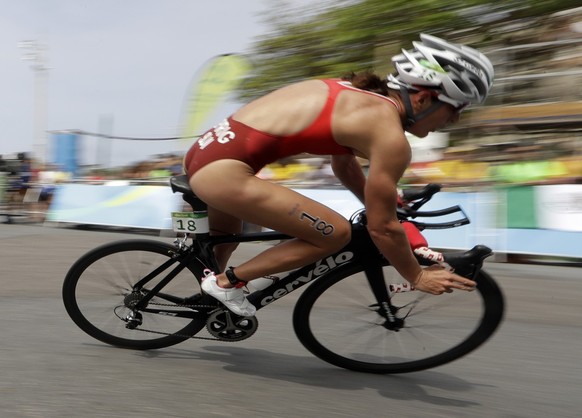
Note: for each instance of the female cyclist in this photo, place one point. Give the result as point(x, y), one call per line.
point(361, 115)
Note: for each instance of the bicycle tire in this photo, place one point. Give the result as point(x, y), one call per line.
point(334, 321)
point(97, 284)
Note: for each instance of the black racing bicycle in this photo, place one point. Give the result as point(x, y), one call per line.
point(356, 313)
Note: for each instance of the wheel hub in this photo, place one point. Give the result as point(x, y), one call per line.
point(132, 299)
point(392, 321)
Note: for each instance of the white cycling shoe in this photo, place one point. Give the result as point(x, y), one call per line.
point(234, 299)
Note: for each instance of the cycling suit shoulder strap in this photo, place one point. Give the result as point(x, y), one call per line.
point(348, 85)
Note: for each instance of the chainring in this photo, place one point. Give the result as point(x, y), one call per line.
point(227, 326)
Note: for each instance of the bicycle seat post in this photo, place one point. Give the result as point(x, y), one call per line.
point(200, 212)
point(180, 184)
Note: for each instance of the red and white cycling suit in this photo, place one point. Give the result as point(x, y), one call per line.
point(231, 139)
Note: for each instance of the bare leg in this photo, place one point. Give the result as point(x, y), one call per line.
point(223, 224)
point(231, 187)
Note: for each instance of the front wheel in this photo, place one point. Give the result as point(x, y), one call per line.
point(337, 320)
point(100, 292)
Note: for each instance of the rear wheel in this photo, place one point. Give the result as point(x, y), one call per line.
point(335, 319)
point(99, 294)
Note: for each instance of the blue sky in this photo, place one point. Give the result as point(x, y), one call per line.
point(119, 67)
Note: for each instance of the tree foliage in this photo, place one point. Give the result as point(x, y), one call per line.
point(345, 36)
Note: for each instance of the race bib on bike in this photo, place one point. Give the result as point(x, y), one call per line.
point(190, 222)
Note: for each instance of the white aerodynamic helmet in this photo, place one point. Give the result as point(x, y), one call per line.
point(459, 74)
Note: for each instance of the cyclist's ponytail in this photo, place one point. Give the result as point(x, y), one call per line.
point(368, 81)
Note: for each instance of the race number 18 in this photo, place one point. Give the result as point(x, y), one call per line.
point(190, 222)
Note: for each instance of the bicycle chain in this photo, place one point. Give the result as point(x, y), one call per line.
point(174, 334)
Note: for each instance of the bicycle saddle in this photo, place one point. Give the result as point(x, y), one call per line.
point(180, 184)
point(468, 263)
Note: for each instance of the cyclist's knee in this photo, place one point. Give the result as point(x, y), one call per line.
point(340, 237)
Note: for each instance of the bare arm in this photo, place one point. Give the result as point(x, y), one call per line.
point(387, 165)
point(381, 193)
point(347, 169)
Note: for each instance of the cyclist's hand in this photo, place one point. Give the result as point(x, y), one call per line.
point(436, 280)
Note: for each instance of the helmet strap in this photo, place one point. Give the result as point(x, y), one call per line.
point(411, 118)
point(433, 108)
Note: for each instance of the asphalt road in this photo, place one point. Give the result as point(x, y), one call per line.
point(532, 367)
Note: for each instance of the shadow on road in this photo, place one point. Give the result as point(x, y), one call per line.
point(310, 371)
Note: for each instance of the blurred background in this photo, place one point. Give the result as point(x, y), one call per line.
point(526, 134)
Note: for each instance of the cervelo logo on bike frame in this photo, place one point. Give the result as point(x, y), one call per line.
point(321, 267)
point(221, 133)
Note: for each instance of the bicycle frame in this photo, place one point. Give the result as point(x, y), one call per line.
point(359, 254)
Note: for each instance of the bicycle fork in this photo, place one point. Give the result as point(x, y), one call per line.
point(384, 306)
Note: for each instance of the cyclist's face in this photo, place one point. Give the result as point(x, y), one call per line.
point(455, 113)
point(443, 116)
